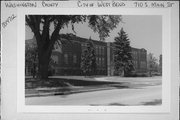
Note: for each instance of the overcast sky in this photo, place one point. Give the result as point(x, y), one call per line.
point(144, 31)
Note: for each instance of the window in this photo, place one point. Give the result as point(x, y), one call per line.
point(96, 49)
point(135, 56)
point(143, 64)
point(99, 50)
point(103, 63)
point(83, 46)
point(66, 58)
point(97, 61)
point(74, 58)
point(100, 62)
point(103, 51)
point(55, 59)
point(135, 63)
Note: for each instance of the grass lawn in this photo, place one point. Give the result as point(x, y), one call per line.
point(31, 83)
point(63, 86)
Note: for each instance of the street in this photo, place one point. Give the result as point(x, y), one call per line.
point(140, 96)
point(141, 91)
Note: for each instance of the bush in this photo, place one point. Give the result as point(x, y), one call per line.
point(137, 75)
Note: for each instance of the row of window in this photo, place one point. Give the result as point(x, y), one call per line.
point(100, 50)
point(136, 54)
point(100, 62)
point(142, 64)
point(135, 63)
point(66, 58)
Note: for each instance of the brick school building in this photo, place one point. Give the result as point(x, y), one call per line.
point(67, 58)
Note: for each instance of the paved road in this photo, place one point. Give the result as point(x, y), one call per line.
point(137, 96)
point(147, 91)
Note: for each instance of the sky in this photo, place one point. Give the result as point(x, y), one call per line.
point(144, 31)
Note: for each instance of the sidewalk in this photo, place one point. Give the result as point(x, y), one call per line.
point(150, 95)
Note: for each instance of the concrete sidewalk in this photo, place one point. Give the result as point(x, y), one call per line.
point(150, 95)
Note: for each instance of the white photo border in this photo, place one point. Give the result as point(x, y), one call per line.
point(166, 51)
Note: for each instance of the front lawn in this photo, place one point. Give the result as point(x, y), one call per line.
point(31, 83)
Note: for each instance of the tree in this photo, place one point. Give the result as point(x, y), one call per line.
point(152, 64)
point(88, 59)
point(46, 30)
point(31, 57)
point(122, 54)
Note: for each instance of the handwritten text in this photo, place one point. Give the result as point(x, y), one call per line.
point(8, 20)
point(20, 4)
point(100, 4)
point(153, 4)
point(49, 4)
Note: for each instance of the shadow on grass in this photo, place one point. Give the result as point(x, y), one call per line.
point(59, 82)
point(112, 104)
point(155, 102)
point(64, 87)
point(117, 104)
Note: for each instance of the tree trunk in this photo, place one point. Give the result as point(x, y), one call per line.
point(44, 55)
point(34, 70)
point(43, 71)
point(45, 45)
point(43, 66)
